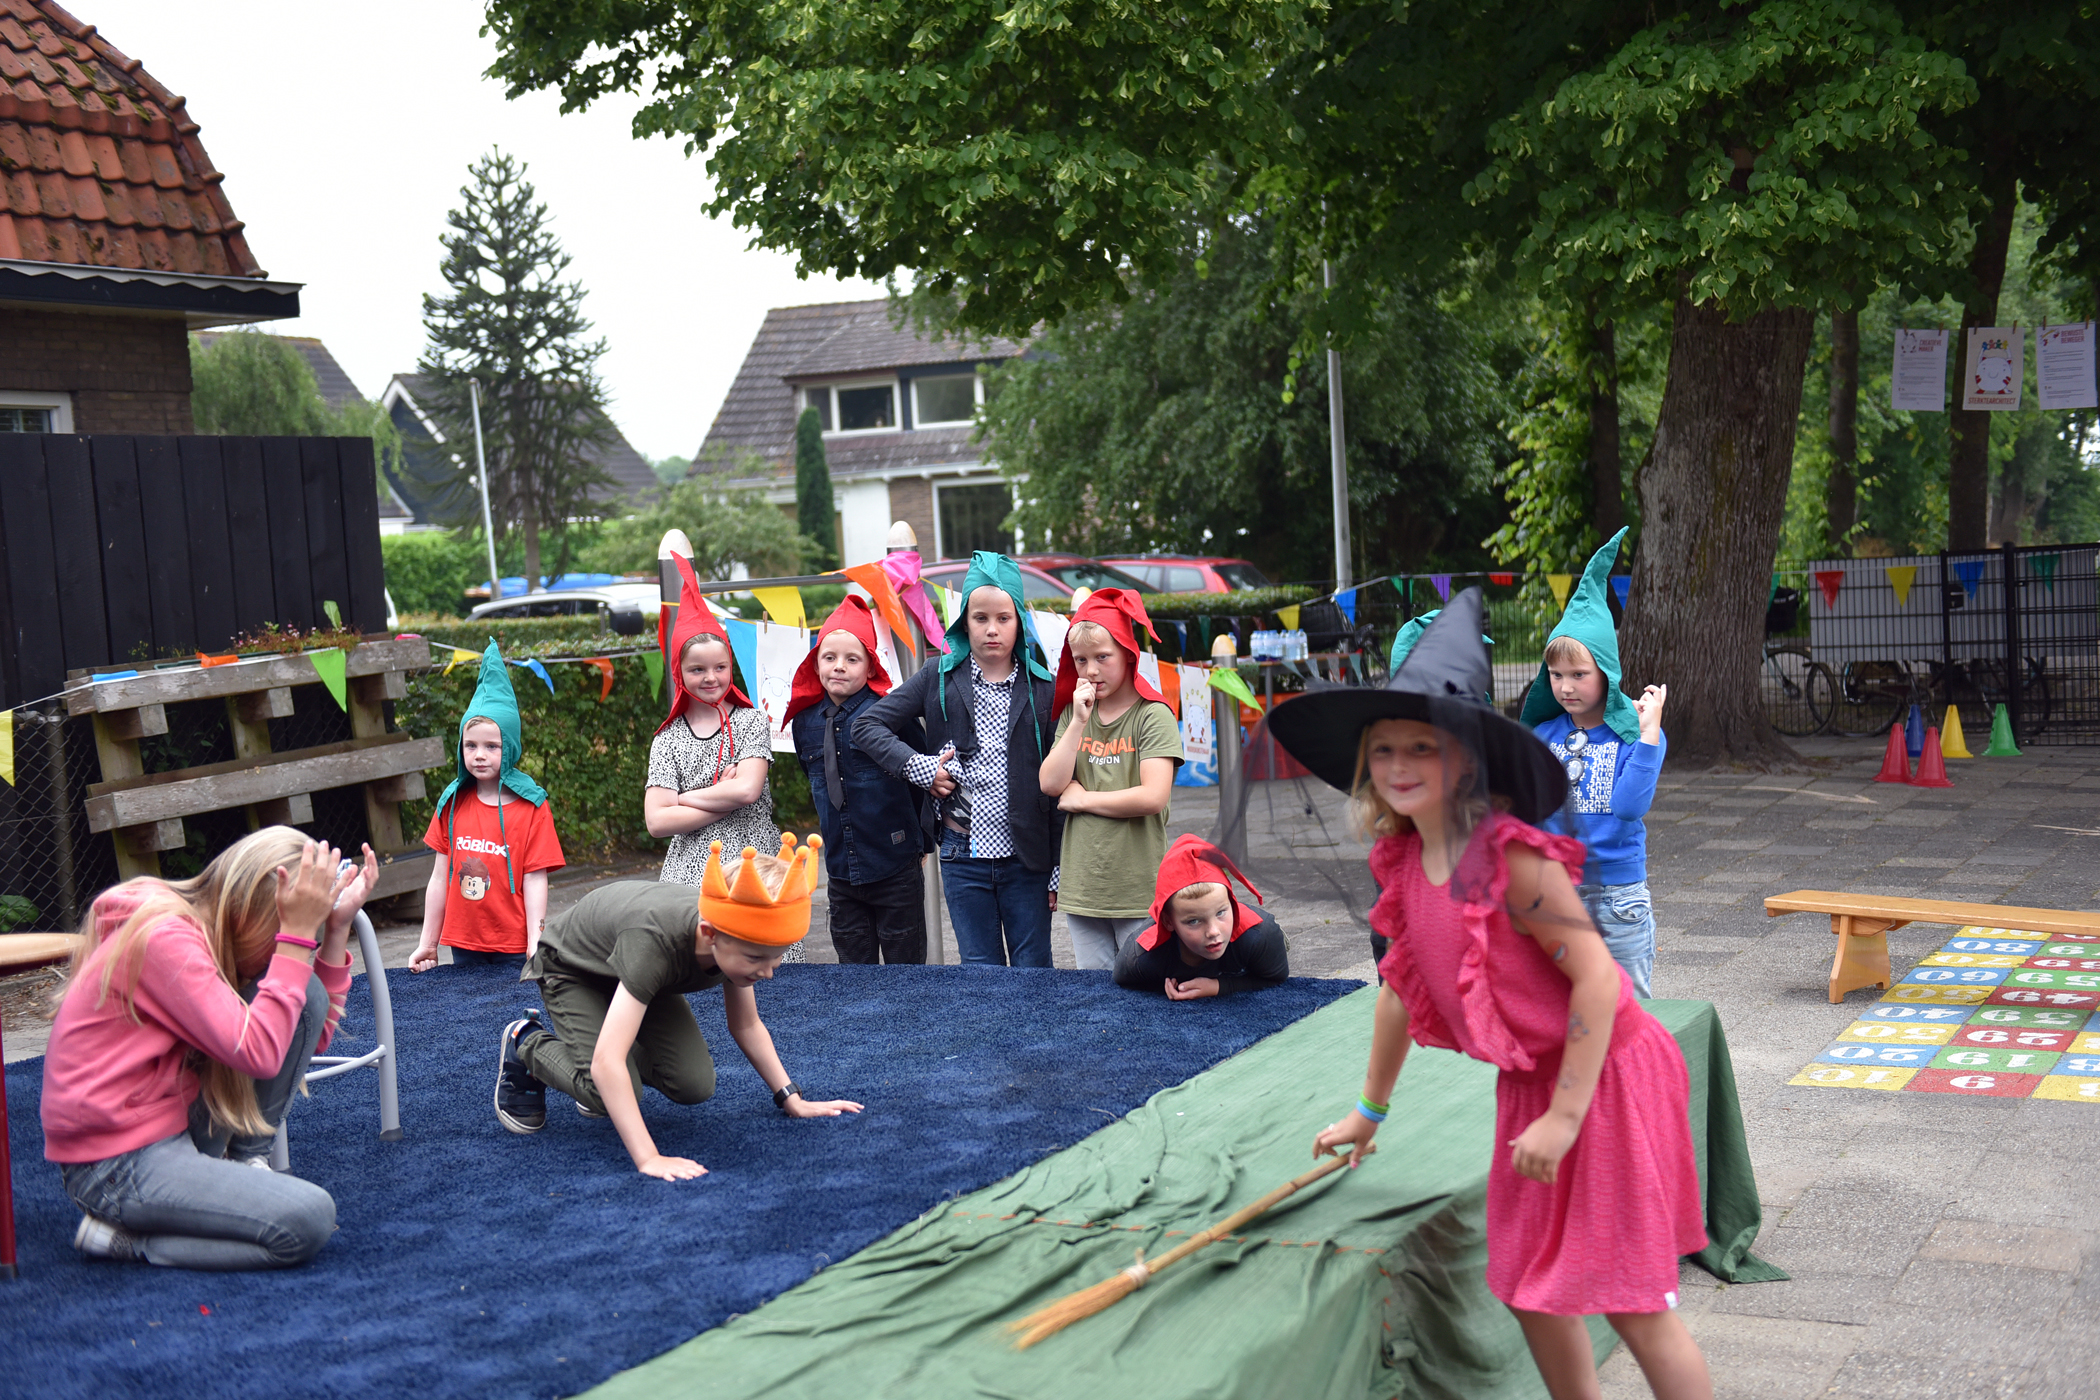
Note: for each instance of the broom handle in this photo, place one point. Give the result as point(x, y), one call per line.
point(1238, 1218)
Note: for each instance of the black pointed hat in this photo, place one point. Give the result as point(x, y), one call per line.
point(1442, 682)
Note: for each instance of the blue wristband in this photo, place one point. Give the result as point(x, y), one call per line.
point(1375, 1112)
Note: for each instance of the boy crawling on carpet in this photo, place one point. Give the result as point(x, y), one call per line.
point(615, 970)
point(1203, 942)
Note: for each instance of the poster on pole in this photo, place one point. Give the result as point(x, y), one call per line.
point(1919, 382)
point(1199, 733)
point(1994, 369)
point(2063, 366)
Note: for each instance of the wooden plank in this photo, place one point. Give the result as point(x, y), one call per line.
point(1897, 909)
point(212, 558)
point(154, 836)
point(328, 565)
point(296, 810)
point(264, 705)
point(238, 678)
point(406, 872)
point(121, 533)
point(280, 775)
point(407, 787)
point(165, 517)
point(379, 688)
point(35, 644)
point(248, 527)
point(240, 765)
point(83, 626)
point(139, 723)
point(366, 608)
point(284, 486)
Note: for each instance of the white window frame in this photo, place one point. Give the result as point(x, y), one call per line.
point(896, 403)
point(977, 398)
point(61, 406)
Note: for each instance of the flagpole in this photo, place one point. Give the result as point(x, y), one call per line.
point(481, 469)
point(1336, 446)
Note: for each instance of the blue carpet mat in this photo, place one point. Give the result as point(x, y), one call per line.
point(469, 1262)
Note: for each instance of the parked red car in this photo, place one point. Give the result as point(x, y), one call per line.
point(1035, 584)
point(1076, 571)
point(1191, 573)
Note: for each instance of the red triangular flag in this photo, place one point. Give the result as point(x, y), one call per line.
point(1505, 580)
point(1830, 580)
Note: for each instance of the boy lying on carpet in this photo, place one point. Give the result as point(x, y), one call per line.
point(1203, 942)
point(614, 971)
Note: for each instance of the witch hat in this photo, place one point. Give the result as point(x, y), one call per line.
point(1932, 770)
point(1895, 763)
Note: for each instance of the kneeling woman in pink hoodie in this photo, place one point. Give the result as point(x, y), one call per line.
point(236, 976)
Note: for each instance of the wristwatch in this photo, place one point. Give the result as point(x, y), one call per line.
point(780, 1095)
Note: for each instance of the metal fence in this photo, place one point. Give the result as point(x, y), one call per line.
point(2017, 626)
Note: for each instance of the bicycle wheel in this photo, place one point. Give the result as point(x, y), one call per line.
point(1871, 696)
point(2035, 699)
point(1788, 686)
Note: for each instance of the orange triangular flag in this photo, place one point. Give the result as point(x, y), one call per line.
point(872, 578)
point(604, 664)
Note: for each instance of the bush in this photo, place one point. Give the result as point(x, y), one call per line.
point(429, 572)
point(528, 636)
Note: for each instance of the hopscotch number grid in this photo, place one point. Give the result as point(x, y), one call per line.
point(1995, 1013)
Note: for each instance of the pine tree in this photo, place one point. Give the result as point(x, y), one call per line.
point(512, 324)
point(815, 516)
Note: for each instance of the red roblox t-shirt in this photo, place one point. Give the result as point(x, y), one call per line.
point(484, 909)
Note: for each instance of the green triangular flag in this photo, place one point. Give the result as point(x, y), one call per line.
point(333, 667)
point(1227, 679)
point(2045, 565)
point(653, 662)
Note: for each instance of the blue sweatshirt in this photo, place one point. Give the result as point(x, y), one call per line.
point(1616, 791)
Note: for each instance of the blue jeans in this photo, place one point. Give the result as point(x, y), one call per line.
point(1626, 918)
point(1000, 908)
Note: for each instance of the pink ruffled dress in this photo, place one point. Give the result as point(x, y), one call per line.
point(1607, 1234)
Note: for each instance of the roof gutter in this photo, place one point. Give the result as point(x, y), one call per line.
point(203, 301)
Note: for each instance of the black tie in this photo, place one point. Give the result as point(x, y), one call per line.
point(833, 788)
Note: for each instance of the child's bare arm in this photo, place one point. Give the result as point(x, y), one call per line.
point(740, 1007)
point(425, 956)
point(623, 1021)
point(1148, 799)
point(1056, 773)
point(1544, 905)
point(1390, 1043)
point(535, 909)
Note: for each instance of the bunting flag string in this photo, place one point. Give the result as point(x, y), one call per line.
point(537, 669)
point(783, 605)
point(877, 583)
point(1901, 577)
point(605, 666)
point(653, 663)
point(1830, 581)
point(1560, 584)
point(1170, 688)
point(332, 665)
point(1229, 680)
point(1346, 601)
point(458, 655)
point(7, 747)
point(743, 640)
point(1970, 572)
point(1289, 617)
point(2044, 566)
point(1502, 580)
point(1619, 584)
point(1442, 584)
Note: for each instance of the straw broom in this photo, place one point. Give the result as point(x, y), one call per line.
point(1049, 1321)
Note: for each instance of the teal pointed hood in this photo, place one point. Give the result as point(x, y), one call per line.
point(1588, 620)
point(990, 570)
point(493, 700)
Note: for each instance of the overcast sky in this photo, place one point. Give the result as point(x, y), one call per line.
point(345, 132)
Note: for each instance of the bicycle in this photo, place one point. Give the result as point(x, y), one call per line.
point(1874, 695)
point(1798, 692)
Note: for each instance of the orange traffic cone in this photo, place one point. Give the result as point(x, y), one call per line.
point(1932, 768)
point(1895, 763)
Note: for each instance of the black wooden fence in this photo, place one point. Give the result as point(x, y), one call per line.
point(122, 549)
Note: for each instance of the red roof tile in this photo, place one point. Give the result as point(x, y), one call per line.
point(100, 164)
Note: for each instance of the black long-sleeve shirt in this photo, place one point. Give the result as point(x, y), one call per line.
point(1260, 957)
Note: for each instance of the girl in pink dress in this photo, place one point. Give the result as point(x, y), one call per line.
point(1492, 954)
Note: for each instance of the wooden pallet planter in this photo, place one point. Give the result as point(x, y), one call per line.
point(144, 811)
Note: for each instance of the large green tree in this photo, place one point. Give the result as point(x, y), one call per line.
point(510, 323)
point(248, 384)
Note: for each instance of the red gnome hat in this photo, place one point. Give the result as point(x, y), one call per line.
point(1191, 860)
point(695, 619)
point(1120, 610)
point(853, 615)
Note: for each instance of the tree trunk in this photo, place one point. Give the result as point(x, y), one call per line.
point(1969, 461)
point(1608, 510)
point(1842, 496)
point(1713, 494)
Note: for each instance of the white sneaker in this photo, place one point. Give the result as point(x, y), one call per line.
point(102, 1239)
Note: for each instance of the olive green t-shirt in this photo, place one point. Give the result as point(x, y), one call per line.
point(1109, 864)
point(638, 933)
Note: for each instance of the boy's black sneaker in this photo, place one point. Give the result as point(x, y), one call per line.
point(521, 1100)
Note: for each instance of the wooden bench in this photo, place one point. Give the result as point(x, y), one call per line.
point(1862, 923)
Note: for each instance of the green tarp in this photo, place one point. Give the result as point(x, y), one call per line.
point(1369, 1285)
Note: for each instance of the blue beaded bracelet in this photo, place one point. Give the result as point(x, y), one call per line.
point(1373, 1111)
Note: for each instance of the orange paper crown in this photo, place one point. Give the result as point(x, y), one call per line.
point(747, 910)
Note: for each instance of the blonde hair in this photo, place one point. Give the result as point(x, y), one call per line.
point(1566, 651)
point(234, 901)
point(1371, 818)
point(772, 872)
point(850, 635)
point(1082, 634)
point(1201, 889)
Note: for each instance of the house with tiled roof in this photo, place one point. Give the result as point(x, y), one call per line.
point(430, 458)
point(897, 410)
point(116, 237)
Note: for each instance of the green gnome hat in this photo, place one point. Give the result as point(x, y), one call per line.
point(1588, 620)
point(992, 570)
point(496, 702)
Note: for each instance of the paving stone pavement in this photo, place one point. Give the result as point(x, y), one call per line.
point(1941, 1248)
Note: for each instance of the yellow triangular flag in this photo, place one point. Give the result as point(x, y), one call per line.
point(1289, 617)
point(1901, 577)
point(1952, 744)
point(7, 747)
point(1560, 584)
point(457, 657)
point(783, 605)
